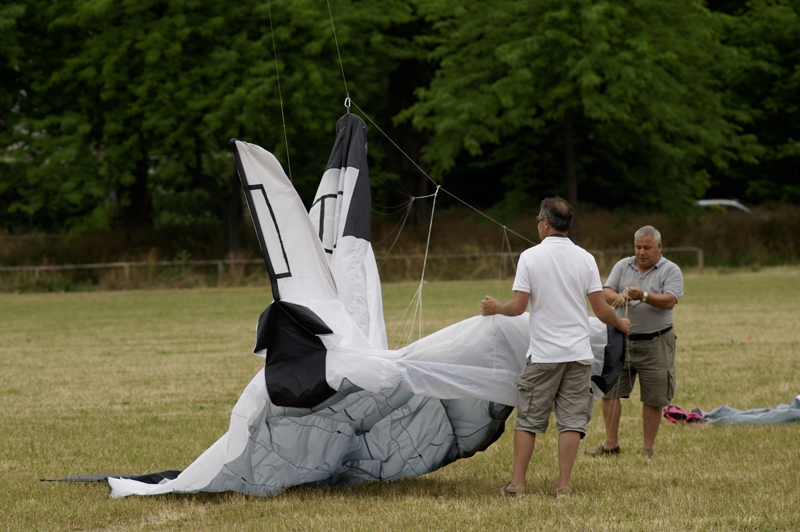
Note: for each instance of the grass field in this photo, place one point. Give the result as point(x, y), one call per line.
point(143, 381)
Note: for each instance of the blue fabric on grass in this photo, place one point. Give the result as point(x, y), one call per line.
point(783, 413)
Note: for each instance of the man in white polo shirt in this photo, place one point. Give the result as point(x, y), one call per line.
point(556, 277)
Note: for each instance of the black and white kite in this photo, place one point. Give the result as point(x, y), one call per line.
point(333, 405)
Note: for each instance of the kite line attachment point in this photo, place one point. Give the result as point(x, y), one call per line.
point(347, 104)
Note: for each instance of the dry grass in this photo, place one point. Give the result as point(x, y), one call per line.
point(142, 381)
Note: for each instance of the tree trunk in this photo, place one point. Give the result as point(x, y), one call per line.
point(227, 197)
point(135, 207)
point(409, 75)
point(572, 184)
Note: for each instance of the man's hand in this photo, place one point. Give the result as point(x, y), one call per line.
point(489, 306)
point(634, 293)
point(605, 313)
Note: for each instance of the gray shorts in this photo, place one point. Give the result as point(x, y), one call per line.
point(563, 387)
point(654, 362)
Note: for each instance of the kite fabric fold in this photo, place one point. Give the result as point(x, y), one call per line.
point(613, 360)
point(333, 405)
point(783, 413)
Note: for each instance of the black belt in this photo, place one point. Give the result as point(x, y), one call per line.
point(649, 336)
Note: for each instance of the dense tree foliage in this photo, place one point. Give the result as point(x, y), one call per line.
point(140, 110)
point(116, 115)
point(623, 95)
point(767, 81)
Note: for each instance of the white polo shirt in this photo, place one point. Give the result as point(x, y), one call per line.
point(558, 275)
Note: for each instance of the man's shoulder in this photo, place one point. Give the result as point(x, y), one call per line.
point(528, 252)
point(665, 265)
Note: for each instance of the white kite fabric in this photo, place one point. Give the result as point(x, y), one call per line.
point(333, 405)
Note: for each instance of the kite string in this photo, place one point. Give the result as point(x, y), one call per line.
point(424, 265)
point(622, 301)
point(430, 230)
point(418, 295)
point(505, 242)
point(280, 96)
point(433, 181)
point(341, 64)
point(349, 100)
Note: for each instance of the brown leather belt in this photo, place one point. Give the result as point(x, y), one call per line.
point(649, 336)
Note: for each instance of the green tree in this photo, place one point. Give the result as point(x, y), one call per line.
point(10, 94)
point(45, 181)
point(768, 35)
point(623, 96)
point(153, 90)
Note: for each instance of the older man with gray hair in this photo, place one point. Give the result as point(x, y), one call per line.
point(644, 288)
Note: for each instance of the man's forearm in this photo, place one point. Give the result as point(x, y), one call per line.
point(509, 309)
point(608, 316)
point(661, 301)
point(610, 295)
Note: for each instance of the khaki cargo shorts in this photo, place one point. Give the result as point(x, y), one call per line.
point(654, 362)
point(563, 387)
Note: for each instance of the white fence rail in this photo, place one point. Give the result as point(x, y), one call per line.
point(220, 264)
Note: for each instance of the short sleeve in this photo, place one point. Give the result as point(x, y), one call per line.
point(614, 277)
point(594, 284)
point(522, 282)
point(673, 282)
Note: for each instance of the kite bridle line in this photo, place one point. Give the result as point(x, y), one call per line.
point(506, 230)
point(280, 96)
point(505, 243)
point(341, 64)
point(412, 161)
point(349, 100)
point(417, 301)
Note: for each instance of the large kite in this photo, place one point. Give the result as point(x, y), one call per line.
point(333, 405)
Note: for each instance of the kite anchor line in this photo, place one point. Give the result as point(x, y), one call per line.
point(505, 243)
point(417, 301)
point(280, 96)
point(341, 65)
point(415, 306)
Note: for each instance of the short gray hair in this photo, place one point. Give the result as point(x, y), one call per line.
point(557, 212)
point(648, 230)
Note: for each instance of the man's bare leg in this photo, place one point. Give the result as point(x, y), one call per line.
point(524, 442)
point(568, 443)
point(611, 414)
point(651, 421)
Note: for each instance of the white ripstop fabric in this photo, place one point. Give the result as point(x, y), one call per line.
point(480, 357)
point(291, 242)
point(351, 259)
point(395, 414)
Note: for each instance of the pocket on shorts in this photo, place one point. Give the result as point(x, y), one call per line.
point(524, 398)
point(589, 408)
point(671, 383)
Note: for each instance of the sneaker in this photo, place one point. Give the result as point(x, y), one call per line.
point(602, 451)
